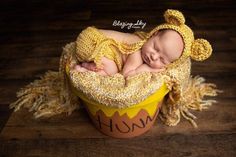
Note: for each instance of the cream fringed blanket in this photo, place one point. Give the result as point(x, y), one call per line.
point(52, 94)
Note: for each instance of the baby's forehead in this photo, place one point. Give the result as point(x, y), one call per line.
point(168, 33)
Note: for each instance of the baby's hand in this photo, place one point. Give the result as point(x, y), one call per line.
point(158, 70)
point(130, 73)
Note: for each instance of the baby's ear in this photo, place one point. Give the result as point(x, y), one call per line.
point(174, 17)
point(201, 49)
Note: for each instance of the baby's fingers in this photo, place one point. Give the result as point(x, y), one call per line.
point(160, 70)
point(163, 69)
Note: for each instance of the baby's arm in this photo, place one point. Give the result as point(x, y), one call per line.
point(143, 68)
point(133, 62)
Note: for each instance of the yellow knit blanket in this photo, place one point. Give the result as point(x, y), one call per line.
point(91, 45)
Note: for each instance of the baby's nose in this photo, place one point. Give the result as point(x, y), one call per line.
point(154, 56)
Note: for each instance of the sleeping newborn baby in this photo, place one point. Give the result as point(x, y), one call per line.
point(162, 48)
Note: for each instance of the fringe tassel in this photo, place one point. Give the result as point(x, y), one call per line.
point(50, 95)
point(43, 97)
point(191, 99)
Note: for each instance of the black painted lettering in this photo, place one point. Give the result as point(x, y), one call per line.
point(123, 131)
point(143, 125)
point(151, 119)
point(101, 123)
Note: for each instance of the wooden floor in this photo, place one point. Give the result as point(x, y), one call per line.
point(32, 34)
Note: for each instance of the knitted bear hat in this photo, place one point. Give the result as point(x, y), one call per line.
point(199, 49)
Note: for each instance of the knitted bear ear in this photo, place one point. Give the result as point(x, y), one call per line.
point(174, 17)
point(201, 49)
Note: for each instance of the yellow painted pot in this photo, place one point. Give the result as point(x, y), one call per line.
point(126, 122)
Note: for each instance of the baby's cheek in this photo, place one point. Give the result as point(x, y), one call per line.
point(158, 65)
point(145, 48)
point(143, 51)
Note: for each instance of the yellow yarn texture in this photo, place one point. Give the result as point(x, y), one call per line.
point(91, 45)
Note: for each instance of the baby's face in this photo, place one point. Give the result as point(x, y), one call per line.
point(162, 48)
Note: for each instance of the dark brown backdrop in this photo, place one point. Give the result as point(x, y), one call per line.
point(32, 34)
